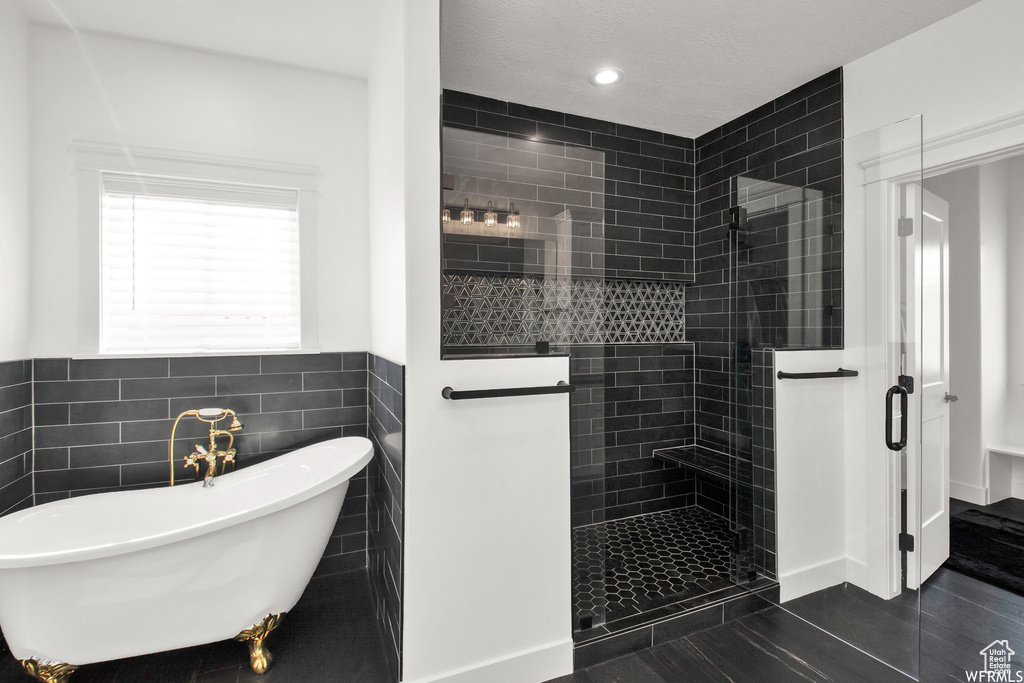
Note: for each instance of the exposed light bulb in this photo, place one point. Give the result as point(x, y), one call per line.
point(490, 218)
point(513, 216)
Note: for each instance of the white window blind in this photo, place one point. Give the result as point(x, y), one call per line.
point(198, 267)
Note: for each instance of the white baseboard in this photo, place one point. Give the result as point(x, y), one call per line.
point(540, 664)
point(976, 495)
point(810, 579)
point(857, 573)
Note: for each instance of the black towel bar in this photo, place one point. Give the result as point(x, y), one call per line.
point(560, 388)
point(816, 375)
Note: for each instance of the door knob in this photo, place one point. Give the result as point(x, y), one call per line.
point(951, 398)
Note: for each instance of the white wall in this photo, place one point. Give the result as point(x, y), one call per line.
point(967, 472)
point(386, 85)
point(1015, 308)
point(14, 169)
point(88, 86)
point(955, 72)
point(993, 193)
point(487, 529)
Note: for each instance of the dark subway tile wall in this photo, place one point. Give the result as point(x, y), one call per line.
point(15, 435)
point(105, 424)
point(763, 461)
point(648, 190)
point(386, 501)
point(795, 140)
point(629, 400)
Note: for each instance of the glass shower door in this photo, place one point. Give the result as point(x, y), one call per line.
point(824, 322)
point(785, 265)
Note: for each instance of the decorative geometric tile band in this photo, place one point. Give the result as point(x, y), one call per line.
point(498, 310)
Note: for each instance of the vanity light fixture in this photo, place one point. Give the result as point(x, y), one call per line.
point(512, 220)
point(606, 76)
point(446, 217)
point(490, 217)
point(467, 214)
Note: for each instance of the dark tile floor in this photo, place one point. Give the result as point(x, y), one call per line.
point(771, 645)
point(959, 616)
point(629, 566)
point(1010, 508)
point(330, 635)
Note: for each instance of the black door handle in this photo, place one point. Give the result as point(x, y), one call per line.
point(902, 443)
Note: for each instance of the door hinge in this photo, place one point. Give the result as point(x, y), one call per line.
point(737, 218)
point(904, 227)
point(906, 543)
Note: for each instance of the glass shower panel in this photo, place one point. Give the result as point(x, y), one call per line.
point(786, 241)
point(785, 265)
point(523, 258)
point(529, 280)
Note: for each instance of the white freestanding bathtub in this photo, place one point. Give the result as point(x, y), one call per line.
point(121, 574)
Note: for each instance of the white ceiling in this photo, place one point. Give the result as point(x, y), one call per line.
point(328, 35)
point(690, 65)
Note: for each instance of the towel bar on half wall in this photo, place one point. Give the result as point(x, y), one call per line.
point(816, 375)
point(453, 395)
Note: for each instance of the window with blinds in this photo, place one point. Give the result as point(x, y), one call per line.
point(198, 267)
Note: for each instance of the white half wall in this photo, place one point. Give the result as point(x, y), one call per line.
point(14, 188)
point(810, 464)
point(118, 90)
point(487, 528)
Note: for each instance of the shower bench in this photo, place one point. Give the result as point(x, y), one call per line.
point(723, 467)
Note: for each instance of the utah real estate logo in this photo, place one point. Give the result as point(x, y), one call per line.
point(996, 666)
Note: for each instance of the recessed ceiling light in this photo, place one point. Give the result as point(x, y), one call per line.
point(606, 76)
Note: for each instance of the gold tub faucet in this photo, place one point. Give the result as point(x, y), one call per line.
point(210, 454)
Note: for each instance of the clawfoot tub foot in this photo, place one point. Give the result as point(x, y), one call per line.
point(259, 656)
point(47, 672)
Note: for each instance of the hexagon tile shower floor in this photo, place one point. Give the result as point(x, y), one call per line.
point(629, 566)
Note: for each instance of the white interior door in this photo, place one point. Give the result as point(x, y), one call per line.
point(934, 336)
point(926, 306)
